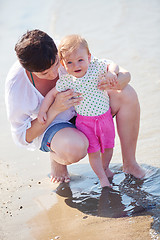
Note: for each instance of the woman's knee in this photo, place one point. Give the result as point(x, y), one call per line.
point(71, 148)
point(77, 152)
point(74, 151)
point(126, 99)
point(129, 95)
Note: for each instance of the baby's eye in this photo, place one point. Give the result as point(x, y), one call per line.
point(80, 60)
point(69, 62)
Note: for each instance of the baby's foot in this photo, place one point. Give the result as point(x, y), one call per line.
point(135, 170)
point(105, 182)
point(59, 173)
point(109, 173)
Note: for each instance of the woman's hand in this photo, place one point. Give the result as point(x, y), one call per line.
point(62, 102)
point(65, 100)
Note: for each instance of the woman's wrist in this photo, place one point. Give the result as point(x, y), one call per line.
point(123, 79)
point(37, 128)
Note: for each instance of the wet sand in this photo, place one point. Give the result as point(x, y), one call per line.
point(33, 208)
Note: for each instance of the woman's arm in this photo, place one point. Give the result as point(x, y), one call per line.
point(113, 68)
point(63, 101)
point(123, 78)
point(46, 103)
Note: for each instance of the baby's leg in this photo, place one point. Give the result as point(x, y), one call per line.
point(97, 166)
point(106, 158)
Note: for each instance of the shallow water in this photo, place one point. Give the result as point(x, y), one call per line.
point(128, 33)
point(128, 197)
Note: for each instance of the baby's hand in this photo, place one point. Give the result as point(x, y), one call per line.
point(42, 117)
point(109, 81)
point(111, 78)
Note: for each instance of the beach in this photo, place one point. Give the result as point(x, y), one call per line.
point(31, 207)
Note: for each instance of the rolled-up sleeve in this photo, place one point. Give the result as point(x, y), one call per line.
point(20, 120)
point(22, 107)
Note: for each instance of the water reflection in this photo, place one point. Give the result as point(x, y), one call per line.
point(129, 196)
point(110, 203)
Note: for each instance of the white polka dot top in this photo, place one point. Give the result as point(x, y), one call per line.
point(95, 102)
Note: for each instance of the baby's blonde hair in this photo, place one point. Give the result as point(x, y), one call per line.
point(71, 42)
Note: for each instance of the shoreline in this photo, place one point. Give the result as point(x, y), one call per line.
point(31, 209)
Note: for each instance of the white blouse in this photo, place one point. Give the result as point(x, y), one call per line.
point(23, 101)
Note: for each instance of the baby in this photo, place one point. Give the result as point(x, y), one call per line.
point(94, 117)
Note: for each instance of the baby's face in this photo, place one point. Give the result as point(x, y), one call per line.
point(77, 62)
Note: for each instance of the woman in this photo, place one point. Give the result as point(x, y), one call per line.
point(31, 78)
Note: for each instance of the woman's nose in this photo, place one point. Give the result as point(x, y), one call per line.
point(54, 72)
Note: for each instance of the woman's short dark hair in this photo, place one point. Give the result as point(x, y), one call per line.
point(36, 51)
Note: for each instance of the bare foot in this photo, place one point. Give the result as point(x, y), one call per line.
point(105, 182)
point(59, 173)
point(135, 170)
point(109, 173)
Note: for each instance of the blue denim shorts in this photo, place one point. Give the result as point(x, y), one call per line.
point(49, 134)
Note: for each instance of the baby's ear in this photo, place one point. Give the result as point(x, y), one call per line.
point(89, 57)
point(62, 63)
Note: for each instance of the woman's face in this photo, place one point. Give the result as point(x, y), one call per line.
point(50, 73)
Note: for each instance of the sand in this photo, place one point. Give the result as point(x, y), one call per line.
point(31, 209)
